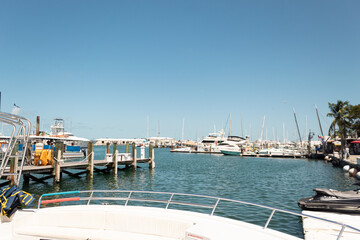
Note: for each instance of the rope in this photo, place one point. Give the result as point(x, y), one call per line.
point(86, 158)
point(83, 160)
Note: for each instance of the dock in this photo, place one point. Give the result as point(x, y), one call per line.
point(86, 166)
point(316, 229)
point(240, 155)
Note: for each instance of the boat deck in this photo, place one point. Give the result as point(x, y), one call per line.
point(314, 229)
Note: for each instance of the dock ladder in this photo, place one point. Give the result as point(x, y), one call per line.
point(21, 128)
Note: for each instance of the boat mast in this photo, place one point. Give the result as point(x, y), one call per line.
point(241, 125)
point(262, 130)
point(230, 124)
point(283, 132)
point(266, 136)
point(182, 132)
point(306, 128)
point(158, 128)
point(274, 134)
point(147, 127)
point(317, 114)
point(297, 126)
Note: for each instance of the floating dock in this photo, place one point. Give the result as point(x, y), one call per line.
point(316, 229)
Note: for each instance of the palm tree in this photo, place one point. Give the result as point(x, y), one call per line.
point(340, 112)
point(355, 120)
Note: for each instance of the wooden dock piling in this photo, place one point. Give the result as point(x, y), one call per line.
point(37, 125)
point(90, 158)
point(127, 150)
point(107, 147)
point(151, 157)
point(115, 153)
point(133, 156)
point(59, 150)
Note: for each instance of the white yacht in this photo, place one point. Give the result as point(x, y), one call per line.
point(58, 131)
point(211, 142)
point(214, 138)
point(265, 152)
point(232, 146)
point(108, 215)
point(75, 146)
point(182, 150)
point(279, 152)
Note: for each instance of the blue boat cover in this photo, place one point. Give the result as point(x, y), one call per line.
point(12, 199)
point(73, 148)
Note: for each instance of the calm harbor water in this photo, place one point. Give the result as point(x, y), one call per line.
point(273, 182)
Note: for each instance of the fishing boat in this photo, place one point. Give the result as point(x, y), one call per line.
point(74, 146)
point(122, 214)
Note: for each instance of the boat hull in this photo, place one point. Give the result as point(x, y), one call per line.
point(231, 153)
point(77, 222)
point(344, 206)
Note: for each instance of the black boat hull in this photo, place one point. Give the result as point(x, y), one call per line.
point(330, 204)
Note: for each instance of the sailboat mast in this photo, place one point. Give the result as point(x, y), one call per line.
point(230, 125)
point(147, 127)
point(262, 129)
point(274, 134)
point(297, 126)
point(158, 128)
point(241, 125)
point(306, 128)
point(182, 132)
point(266, 137)
point(317, 114)
point(284, 132)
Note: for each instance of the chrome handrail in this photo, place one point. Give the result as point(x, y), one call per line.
point(22, 127)
point(171, 201)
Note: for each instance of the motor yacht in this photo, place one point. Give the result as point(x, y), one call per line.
point(232, 146)
point(145, 215)
point(211, 142)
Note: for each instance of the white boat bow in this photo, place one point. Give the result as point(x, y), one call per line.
point(93, 220)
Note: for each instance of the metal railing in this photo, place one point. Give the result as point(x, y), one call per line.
point(21, 128)
point(169, 200)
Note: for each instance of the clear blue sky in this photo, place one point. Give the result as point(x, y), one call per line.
point(105, 66)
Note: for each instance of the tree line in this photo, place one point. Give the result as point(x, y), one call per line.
point(346, 121)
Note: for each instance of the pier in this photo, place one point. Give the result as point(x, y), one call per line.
point(86, 166)
point(314, 229)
